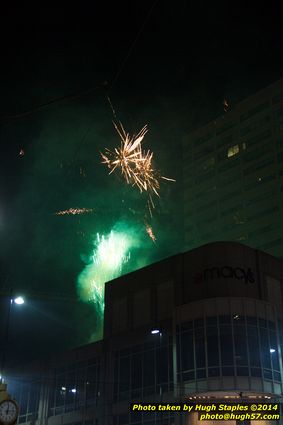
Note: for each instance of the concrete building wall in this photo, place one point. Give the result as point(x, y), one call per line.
point(233, 175)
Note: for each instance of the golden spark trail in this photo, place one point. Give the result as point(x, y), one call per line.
point(74, 211)
point(150, 233)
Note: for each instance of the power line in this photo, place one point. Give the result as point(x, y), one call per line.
point(120, 69)
point(88, 91)
point(51, 102)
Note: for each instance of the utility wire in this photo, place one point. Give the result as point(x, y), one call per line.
point(133, 45)
point(51, 102)
point(86, 92)
point(108, 87)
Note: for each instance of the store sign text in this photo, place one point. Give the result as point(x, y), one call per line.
point(225, 272)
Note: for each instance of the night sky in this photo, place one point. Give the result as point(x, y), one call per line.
point(165, 64)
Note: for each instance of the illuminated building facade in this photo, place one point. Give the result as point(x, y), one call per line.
point(233, 175)
point(219, 312)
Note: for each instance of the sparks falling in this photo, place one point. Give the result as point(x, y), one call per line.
point(150, 233)
point(136, 165)
point(74, 211)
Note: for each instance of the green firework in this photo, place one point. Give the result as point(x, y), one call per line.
point(111, 252)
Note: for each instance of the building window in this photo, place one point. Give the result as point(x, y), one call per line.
point(227, 126)
point(233, 150)
point(75, 386)
point(254, 111)
point(226, 345)
point(244, 346)
point(27, 394)
point(144, 370)
point(208, 163)
point(203, 139)
point(259, 138)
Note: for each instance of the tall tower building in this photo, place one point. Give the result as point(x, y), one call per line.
point(233, 175)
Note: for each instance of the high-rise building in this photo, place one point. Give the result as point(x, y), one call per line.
point(233, 175)
point(217, 314)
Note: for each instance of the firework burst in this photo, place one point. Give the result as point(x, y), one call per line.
point(128, 156)
point(136, 165)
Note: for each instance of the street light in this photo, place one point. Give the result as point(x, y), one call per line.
point(19, 300)
point(155, 331)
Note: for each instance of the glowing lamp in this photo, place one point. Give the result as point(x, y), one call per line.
point(155, 331)
point(19, 300)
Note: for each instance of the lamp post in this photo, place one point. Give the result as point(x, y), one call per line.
point(157, 331)
point(11, 300)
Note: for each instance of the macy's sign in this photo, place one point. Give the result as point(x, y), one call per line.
point(226, 272)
